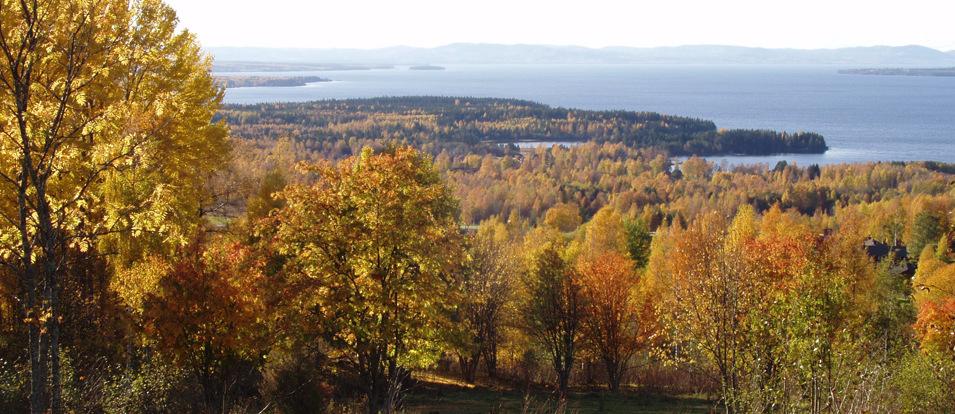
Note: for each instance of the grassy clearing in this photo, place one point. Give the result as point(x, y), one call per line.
point(441, 395)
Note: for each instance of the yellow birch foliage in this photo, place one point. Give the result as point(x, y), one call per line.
point(105, 144)
point(602, 234)
point(373, 244)
point(109, 110)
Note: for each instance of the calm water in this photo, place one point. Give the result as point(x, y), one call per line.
point(864, 118)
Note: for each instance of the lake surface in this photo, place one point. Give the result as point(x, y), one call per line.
point(864, 118)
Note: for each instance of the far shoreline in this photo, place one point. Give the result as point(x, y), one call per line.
point(942, 72)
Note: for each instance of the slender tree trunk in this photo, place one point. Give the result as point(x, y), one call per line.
point(44, 327)
point(38, 398)
point(564, 365)
point(563, 381)
point(213, 382)
point(469, 366)
point(613, 375)
point(376, 384)
point(489, 352)
point(34, 310)
point(392, 389)
point(56, 399)
point(48, 239)
point(45, 393)
point(53, 324)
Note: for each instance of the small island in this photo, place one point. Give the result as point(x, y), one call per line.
point(901, 72)
point(267, 81)
point(426, 67)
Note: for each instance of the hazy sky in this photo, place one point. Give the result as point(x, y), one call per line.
point(803, 24)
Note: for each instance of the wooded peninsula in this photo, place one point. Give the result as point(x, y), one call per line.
point(438, 123)
point(267, 81)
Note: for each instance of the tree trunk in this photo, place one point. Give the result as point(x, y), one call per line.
point(53, 324)
point(469, 366)
point(376, 382)
point(56, 399)
point(38, 373)
point(39, 400)
point(489, 352)
point(613, 374)
point(563, 365)
point(613, 380)
point(48, 239)
point(213, 382)
point(563, 381)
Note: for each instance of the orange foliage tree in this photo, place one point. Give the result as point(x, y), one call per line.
point(936, 327)
point(205, 316)
point(615, 323)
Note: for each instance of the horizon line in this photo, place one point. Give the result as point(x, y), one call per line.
point(574, 46)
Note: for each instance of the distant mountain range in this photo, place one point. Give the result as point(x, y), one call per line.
point(480, 53)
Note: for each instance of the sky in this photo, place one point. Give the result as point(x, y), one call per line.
point(367, 24)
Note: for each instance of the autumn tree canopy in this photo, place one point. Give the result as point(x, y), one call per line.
point(488, 283)
point(616, 323)
point(333, 283)
point(105, 130)
point(376, 239)
point(554, 310)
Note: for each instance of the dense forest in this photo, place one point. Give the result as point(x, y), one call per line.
point(457, 124)
point(151, 263)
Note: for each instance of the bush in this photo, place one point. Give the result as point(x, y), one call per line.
point(153, 388)
point(925, 384)
point(293, 383)
point(14, 387)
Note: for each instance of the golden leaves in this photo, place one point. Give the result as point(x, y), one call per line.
point(119, 103)
point(376, 235)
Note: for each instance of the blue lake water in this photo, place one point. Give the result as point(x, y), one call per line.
point(864, 118)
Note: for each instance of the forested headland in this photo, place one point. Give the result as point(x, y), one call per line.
point(437, 123)
point(267, 81)
point(387, 255)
